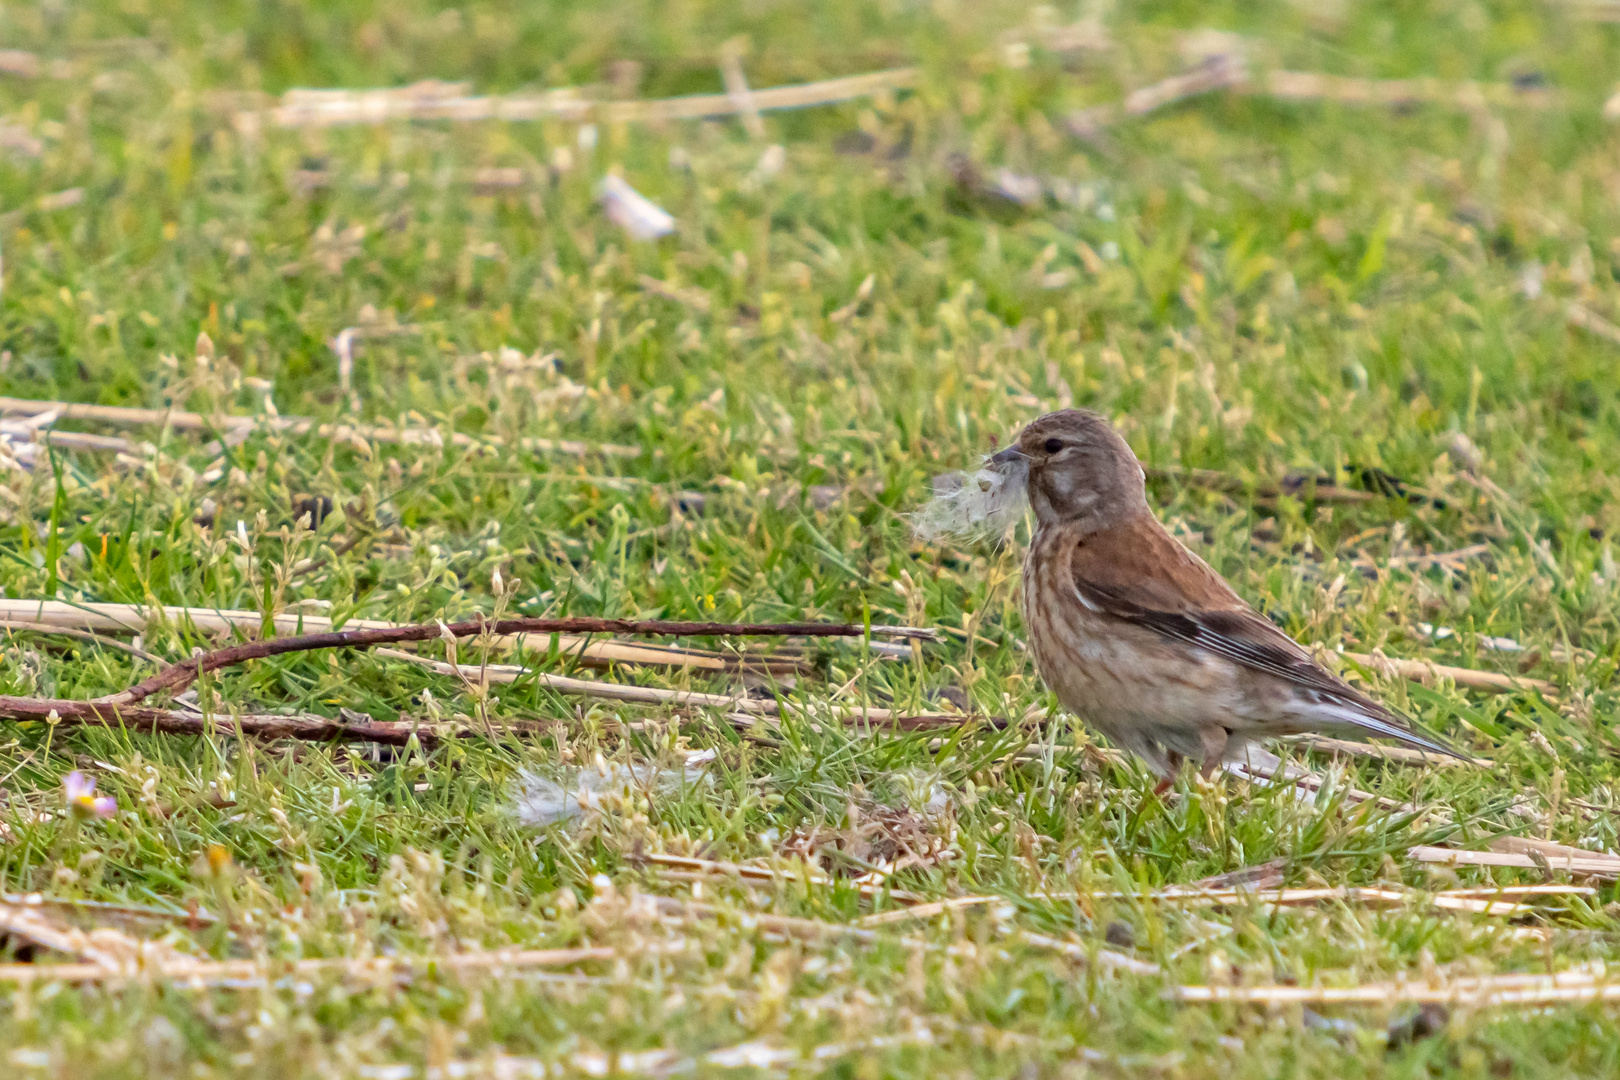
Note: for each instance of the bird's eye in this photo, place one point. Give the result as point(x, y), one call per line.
point(1053, 445)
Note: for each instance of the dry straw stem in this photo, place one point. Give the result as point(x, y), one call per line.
point(1500, 900)
point(742, 98)
point(81, 635)
point(1348, 90)
point(1450, 559)
point(74, 618)
point(79, 440)
point(235, 428)
point(752, 710)
point(1592, 10)
point(1373, 897)
point(1525, 854)
point(103, 947)
point(331, 108)
point(929, 910)
point(763, 874)
point(247, 973)
point(1229, 71)
point(1585, 318)
point(1216, 73)
point(1566, 987)
point(814, 929)
point(692, 298)
point(104, 910)
point(1424, 671)
point(1283, 898)
point(1106, 959)
point(786, 925)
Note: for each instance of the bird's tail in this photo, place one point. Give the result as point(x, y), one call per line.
point(1383, 725)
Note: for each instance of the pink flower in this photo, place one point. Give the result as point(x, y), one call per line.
point(79, 791)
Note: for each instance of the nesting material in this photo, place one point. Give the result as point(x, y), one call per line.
point(978, 505)
point(544, 801)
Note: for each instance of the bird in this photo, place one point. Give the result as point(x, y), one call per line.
point(1143, 640)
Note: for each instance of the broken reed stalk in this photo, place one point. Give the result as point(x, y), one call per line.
point(762, 875)
point(1493, 900)
point(1229, 71)
point(49, 615)
point(236, 972)
point(1424, 672)
point(331, 108)
point(122, 709)
point(1569, 987)
point(1349, 90)
point(1595, 864)
point(1218, 72)
point(177, 677)
point(1592, 322)
point(82, 635)
point(237, 428)
point(747, 713)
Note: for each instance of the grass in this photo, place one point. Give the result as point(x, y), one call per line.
point(1244, 285)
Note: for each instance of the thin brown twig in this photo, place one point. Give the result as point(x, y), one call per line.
point(71, 712)
point(585, 650)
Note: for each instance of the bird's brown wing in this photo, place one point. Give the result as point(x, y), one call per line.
point(1139, 574)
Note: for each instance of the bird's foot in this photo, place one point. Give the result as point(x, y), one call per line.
point(1173, 762)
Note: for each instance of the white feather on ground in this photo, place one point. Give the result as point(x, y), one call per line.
point(543, 800)
point(633, 212)
point(982, 504)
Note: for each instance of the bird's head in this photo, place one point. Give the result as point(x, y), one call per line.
point(1080, 470)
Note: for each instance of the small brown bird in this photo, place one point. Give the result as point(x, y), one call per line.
point(1139, 637)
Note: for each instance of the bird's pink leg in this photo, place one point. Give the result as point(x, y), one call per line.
point(1214, 740)
point(1172, 759)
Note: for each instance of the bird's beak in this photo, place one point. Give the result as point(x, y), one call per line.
point(1010, 456)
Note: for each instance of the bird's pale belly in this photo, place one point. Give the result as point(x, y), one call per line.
point(1134, 686)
